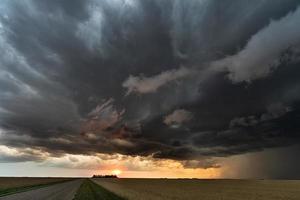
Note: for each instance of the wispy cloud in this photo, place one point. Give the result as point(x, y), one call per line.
point(262, 53)
point(177, 117)
point(141, 84)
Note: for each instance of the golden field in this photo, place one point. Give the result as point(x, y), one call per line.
point(150, 189)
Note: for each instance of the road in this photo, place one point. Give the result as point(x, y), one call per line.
point(59, 191)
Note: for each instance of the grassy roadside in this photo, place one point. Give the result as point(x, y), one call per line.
point(9, 191)
point(91, 191)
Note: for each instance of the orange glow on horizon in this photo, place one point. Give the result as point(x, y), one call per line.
point(165, 173)
point(181, 173)
point(116, 172)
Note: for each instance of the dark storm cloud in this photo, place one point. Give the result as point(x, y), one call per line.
point(173, 79)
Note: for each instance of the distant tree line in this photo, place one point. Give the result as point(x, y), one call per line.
point(105, 176)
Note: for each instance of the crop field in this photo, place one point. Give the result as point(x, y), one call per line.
point(12, 184)
point(149, 189)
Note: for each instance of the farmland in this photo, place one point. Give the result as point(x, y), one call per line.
point(12, 184)
point(149, 189)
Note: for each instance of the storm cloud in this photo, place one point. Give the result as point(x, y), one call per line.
point(192, 81)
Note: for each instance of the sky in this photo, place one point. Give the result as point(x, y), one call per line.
point(150, 88)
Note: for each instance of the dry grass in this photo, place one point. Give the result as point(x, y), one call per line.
point(13, 182)
point(91, 191)
point(148, 189)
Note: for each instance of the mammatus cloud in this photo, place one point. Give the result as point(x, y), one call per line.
point(177, 117)
point(262, 53)
point(141, 84)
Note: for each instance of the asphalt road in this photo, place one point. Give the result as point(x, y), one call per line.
point(60, 191)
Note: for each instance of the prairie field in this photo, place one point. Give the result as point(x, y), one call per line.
point(150, 189)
